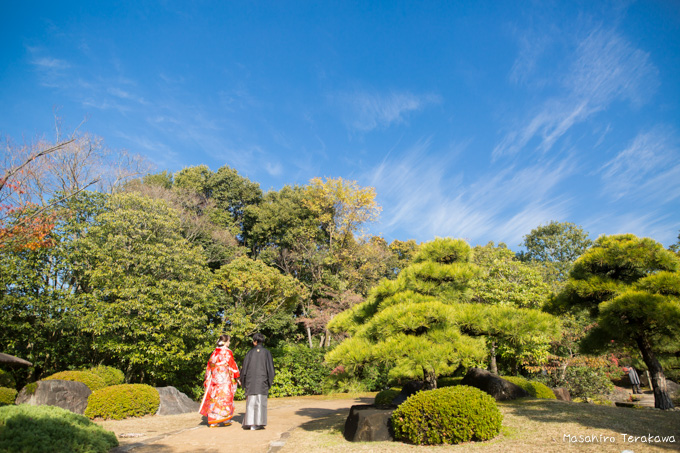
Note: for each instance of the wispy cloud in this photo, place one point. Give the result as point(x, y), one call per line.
point(364, 111)
point(49, 63)
point(603, 68)
point(647, 169)
point(429, 197)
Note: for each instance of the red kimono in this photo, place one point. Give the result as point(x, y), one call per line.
point(220, 384)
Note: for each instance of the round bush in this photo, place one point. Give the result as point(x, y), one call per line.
point(110, 375)
point(122, 401)
point(7, 380)
point(447, 416)
point(535, 389)
point(7, 396)
point(93, 381)
point(385, 397)
point(26, 428)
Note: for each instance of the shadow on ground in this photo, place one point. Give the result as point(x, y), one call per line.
point(154, 448)
point(327, 419)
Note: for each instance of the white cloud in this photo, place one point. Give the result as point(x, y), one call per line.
point(647, 169)
point(604, 68)
point(365, 111)
point(49, 63)
point(427, 197)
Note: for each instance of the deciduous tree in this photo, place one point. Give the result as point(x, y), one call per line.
point(146, 298)
point(557, 245)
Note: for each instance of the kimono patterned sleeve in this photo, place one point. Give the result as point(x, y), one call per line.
point(233, 368)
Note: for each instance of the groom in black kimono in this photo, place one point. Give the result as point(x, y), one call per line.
point(257, 376)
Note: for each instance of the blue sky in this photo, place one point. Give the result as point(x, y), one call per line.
point(478, 120)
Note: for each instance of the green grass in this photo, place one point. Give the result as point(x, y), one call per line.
point(529, 426)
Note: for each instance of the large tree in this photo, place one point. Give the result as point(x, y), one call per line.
point(314, 233)
point(422, 325)
point(250, 293)
point(39, 294)
point(557, 245)
point(506, 281)
point(146, 295)
point(631, 286)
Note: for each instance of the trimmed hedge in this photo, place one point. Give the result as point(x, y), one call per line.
point(93, 381)
point(7, 396)
point(535, 389)
point(448, 415)
point(110, 375)
point(385, 397)
point(122, 401)
point(26, 428)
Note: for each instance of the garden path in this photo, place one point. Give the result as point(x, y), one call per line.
point(189, 433)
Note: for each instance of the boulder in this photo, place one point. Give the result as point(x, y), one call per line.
point(562, 394)
point(494, 385)
point(174, 402)
point(410, 388)
point(367, 423)
point(69, 395)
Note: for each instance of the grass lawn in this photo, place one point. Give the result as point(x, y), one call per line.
point(529, 425)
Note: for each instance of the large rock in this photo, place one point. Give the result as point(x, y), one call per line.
point(562, 394)
point(367, 423)
point(410, 388)
point(175, 402)
point(494, 385)
point(68, 395)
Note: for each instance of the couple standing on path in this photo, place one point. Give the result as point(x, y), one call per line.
point(222, 378)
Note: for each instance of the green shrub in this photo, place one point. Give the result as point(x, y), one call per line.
point(26, 428)
point(239, 394)
point(369, 378)
point(581, 381)
point(93, 381)
point(535, 388)
point(110, 375)
point(7, 380)
point(448, 381)
point(121, 401)
point(300, 370)
point(7, 396)
point(385, 397)
point(448, 415)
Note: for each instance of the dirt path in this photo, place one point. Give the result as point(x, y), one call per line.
point(188, 433)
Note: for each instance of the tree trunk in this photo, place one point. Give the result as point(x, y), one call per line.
point(430, 379)
point(662, 399)
point(493, 367)
point(309, 337)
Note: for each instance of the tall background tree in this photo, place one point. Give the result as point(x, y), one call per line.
point(145, 291)
point(556, 245)
point(506, 281)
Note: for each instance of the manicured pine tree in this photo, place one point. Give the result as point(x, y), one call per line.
point(631, 287)
point(422, 326)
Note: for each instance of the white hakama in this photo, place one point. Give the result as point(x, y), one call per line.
point(256, 411)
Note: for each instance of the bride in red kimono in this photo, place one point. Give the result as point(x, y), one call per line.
point(220, 383)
